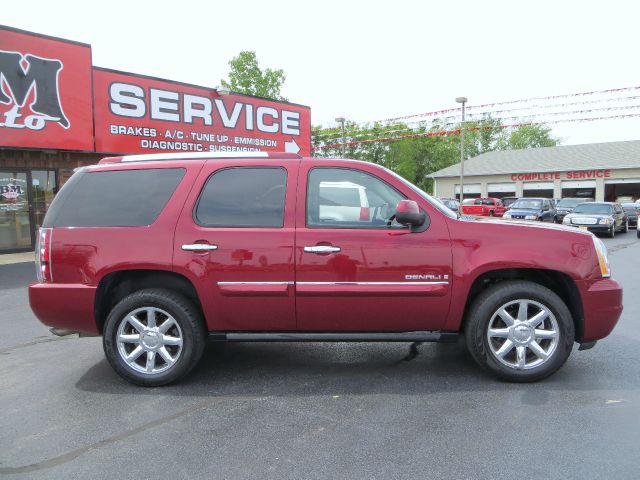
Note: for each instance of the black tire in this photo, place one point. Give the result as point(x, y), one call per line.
point(626, 227)
point(491, 213)
point(187, 317)
point(486, 305)
point(612, 231)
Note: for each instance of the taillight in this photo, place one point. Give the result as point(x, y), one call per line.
point(43, 255)
point(364, 214)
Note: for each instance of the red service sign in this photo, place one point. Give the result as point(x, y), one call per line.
point(139, 114)
point(45, 92)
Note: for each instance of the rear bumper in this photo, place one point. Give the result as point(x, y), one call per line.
point(68, 306)
point(602, 305)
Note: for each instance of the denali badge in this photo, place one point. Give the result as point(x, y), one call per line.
point(426, 277)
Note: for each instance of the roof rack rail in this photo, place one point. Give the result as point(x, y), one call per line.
point(195, 156)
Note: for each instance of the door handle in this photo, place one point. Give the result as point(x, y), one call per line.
point(322, 249)
point(199, 247)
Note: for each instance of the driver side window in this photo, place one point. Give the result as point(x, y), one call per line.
point(340, 197)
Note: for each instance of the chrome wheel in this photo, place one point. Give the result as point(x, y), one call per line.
point(523, 334)
point(149, 340)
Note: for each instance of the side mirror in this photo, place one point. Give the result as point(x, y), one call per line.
point(408, 213)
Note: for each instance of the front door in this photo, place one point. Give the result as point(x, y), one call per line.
point(359, 270)
point(15, 227)
point(235, 241)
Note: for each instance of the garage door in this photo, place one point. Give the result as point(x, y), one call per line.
point(537, 189)
point(579, 189)
point(471, 190)
point(621, 189)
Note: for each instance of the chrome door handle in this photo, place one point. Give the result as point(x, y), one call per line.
point(199, 247)
point(322, 249)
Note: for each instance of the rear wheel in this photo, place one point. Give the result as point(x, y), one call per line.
point(154, 337)
point(491, 213)
point(520, 331)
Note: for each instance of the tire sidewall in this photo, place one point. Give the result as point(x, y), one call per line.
point(184, 314)
point(485, 307)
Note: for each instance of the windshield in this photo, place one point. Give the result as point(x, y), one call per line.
point(594, 208)
point(631, 206)
point(436, 203)
point(570, 202)
point(528, 203)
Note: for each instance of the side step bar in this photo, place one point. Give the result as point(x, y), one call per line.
point(448, 337)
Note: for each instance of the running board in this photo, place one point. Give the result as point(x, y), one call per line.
point(448, 337)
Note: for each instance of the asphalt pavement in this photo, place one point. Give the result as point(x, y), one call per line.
point(317, 410)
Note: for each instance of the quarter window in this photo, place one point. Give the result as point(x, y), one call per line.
point(243, 197)
point(339, 197)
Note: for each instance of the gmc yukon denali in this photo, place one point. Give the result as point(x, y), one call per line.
point(158, 253)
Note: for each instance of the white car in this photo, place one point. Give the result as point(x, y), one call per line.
point(343, 202)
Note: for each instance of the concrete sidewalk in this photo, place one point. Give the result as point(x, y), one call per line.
point(11, 258)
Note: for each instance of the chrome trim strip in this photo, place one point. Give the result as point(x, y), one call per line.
point(254, 283)
point(372, 283)
point(191, 155)
point(322, 249)
point(199, 247)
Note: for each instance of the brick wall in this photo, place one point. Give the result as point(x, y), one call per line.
point(63, 162)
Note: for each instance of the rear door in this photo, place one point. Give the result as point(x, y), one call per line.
point(367, 273)
point(235, 240)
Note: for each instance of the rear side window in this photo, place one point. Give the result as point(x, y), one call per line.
point(243, 197)
point(124, 198)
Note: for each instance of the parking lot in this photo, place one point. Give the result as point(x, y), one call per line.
point(316, 410)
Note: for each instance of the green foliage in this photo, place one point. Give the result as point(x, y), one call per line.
point(423, 150)
point(246, 77)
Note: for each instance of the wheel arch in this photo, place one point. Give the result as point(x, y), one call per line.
point(558, 282)
point(114, 286)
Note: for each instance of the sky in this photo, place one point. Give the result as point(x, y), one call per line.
point(370, 60)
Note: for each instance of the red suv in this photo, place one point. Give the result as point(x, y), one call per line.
point(157, 253)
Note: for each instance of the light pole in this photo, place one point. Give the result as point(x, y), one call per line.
point(462, 100)
point(341, 121)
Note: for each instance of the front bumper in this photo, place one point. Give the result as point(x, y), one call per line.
point(602, 306)
point(591, 228)
point(64, 305)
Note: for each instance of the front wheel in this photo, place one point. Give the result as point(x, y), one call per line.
point(626, 227)
point(153, 337)
point(520, 331)
point(612, 231)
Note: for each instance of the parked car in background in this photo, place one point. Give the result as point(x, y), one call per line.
point(566, 206)
point(599, 217)
point(538, 209)
point(508, 201)
point(631, 209)
point(485, 207)
point(451, 204)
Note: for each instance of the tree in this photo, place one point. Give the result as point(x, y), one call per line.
point(415, 152)
point(246, 77)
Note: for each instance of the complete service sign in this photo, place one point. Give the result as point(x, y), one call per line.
point(46, 101)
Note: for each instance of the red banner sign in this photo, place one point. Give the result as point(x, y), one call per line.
point(46, 101)
point(45, 92)
point(138, 114)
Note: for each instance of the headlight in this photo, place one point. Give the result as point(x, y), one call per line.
point(566, 221)
point(506, 215)
point(531, 217)
point(603, 257)
point(605, 221)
